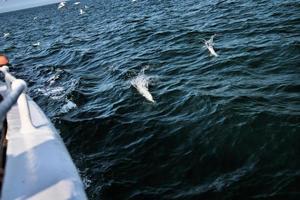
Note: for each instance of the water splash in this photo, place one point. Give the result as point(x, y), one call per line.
point(141, 83)
point(68, 106)
point(53, 78)
point(53, 92)
point(86, 182)
point(56, 91)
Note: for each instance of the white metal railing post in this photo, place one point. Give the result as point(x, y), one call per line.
point(14, 84)
point(7, 76)
point(10, 99)
point(24, 112)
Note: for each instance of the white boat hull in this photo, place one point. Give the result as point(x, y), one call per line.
point(38, 166)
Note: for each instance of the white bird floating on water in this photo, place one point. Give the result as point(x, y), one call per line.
point(61, 5)
point(81, 12)
point(6, 35)
point(209, 45)
point(141, 83)
point(36, 44)
point(77, 3)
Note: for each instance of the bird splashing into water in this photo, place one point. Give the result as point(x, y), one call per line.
point(141, 83)
point(209, 45)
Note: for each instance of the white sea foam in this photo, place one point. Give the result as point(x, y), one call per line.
point(77, 3)
point(209, 45)
point(53, 78)
point(141, 83)
point(68, 106)
point(57, 92)
point(53, 92)
point(86, 182)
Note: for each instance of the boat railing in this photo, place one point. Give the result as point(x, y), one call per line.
point(16, 89)
point(37, 163)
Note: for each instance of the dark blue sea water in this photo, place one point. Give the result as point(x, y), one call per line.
point(225, 127)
